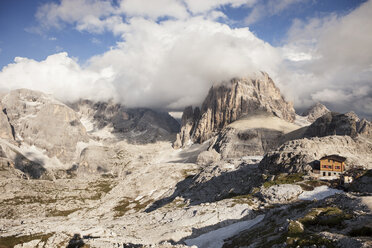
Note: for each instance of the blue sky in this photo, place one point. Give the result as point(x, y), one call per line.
point(17, 17)
point(167, 53)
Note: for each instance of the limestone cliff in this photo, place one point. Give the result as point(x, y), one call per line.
point(229, 101)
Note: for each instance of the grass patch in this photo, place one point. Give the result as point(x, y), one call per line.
point(284, 179)
point(329, 216)
point(22, 200)
point(243, 199)
point(295, 227)
point(12, 241)
point(364, 231)
point(176, 203)
point(305, 239)
point(311, 184)
point(101, 188)
point(55, 213)
point(189, 173)
point(127, 204)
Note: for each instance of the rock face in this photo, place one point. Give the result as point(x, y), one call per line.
point(251, 136)
point(315, 111)
point(335, 124)
point(41, 121)
point(299, 155)
point(281, 193)
point(6, 131)
point(227, 102)
point(138, 125)
point(95, 160)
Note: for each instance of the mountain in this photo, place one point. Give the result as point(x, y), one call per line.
point(38, 120)
point(315, 111)
point(137, 125)
point(229, 101)
point(333, 123)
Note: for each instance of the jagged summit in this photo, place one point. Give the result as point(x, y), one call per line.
point(229, 101)
point(315, 111)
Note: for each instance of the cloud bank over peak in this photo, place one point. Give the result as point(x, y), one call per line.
point(169, 52)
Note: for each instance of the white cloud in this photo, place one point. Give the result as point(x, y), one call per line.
point(269, 8)
point(96, 41)
point(167, 65)
point(197, 6)
point(154, 9)
point(171, 63)
point(337, 65)
point(59, 75)
point(52, 38)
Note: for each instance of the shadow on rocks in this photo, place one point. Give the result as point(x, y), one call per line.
point(211, 185)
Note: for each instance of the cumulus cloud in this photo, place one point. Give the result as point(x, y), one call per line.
point(59, 75)
point(269, 8)
point(331, 61)
point(170, 63)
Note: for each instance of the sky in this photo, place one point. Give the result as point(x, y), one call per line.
point(166, 54)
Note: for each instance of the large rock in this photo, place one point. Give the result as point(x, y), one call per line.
point(282, 193)
point(338, 124)
point(229, 101)
point(41, 121)
point(315, 111)
point(299, 155)
point(96, 160)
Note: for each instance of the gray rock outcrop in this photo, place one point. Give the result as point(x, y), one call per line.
point(137, 125)
point(6, 131)
point(44, 122)
point(208, 157)
point(315, 111)
point(334, 124)
point(281, 193)
point(299, 155)
point(229, 101)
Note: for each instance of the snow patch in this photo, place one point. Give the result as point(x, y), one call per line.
point(319, 193)
point(87, 123)
point(302, 121)
point(215, 239)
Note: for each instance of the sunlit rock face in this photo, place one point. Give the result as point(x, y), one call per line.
point(229, 101)
point(44, 122)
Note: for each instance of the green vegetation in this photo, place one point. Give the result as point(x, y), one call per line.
point(311, 184)
point(55, 212)
point(12, 241)
point(329, 216)
point(306, 239)
point(295, 227)
point(101, 187)
point(189, 173)
point(127, 204)
point(176, 203)
point(243, 199)
point(360, 232)
point(284, 179)
point(21, 200)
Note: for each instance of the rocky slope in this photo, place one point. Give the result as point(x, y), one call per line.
point(137, 125)
point(38, 120)
point(253, 135)
point(228, 102)
point(299, 155)
point(333, 123)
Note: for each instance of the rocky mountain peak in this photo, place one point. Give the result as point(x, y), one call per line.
point(315, 111)
point(228, 101)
